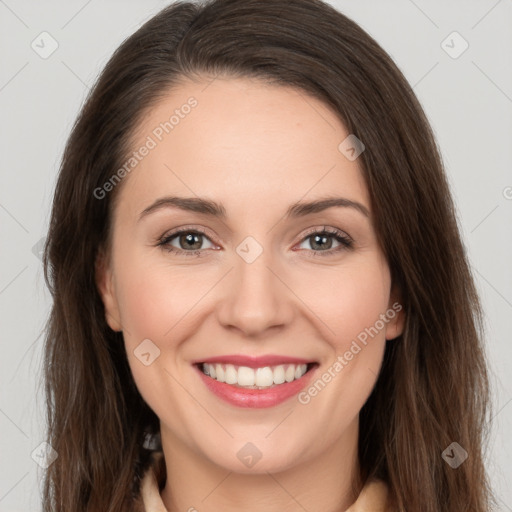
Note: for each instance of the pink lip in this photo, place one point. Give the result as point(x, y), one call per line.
point(255, 398)
point(253, 361)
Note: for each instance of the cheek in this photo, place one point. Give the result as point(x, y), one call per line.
point(154, 299)
point(356, 296)
point(156, 304)
point(163, 303)
point(349, 300)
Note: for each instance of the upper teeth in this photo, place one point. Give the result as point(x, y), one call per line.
point(254, 377)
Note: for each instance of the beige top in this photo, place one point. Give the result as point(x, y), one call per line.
point(371, 499)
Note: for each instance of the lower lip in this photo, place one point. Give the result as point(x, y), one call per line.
point(256, 398)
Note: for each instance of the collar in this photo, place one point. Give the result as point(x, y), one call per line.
point(373, 497)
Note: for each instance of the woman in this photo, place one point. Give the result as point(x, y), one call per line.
point(261, 298)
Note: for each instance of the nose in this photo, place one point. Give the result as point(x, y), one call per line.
point(255, 298)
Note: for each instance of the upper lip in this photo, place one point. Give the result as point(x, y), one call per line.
point(254, 361)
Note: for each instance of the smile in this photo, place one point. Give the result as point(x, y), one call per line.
point(255, 382)
point(254, 378)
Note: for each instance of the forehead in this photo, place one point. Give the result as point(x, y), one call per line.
point(243, 141)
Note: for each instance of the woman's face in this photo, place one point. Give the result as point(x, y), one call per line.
point(266, 280)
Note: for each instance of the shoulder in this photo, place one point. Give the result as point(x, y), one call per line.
point(149, 499)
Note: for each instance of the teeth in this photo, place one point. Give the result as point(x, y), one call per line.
point(264, 377)
point(231, 374)
point(279, 374)
point(289, 374)
point(246, 376)
point(254, 378)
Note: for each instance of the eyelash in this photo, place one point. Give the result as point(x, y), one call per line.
point(345, 241)
point(166, 239)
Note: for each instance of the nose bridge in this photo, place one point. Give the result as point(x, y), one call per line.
point(254, 299)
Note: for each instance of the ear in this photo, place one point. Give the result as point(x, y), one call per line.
point(396, 315)
point(106, 288)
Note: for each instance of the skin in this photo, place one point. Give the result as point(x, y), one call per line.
point(256, 149)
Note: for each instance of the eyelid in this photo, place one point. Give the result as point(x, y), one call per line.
point(164, 242)
point(325, 229)
point(345, 241)
point(187, 228)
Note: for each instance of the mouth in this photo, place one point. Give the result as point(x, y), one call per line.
point(258, 382)
point(265, 377)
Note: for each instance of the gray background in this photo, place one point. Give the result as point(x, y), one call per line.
point(468, 100)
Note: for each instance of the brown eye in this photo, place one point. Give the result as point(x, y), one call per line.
point(192, 241)
point(321, 242)
point(186, 241)
point(326, 241)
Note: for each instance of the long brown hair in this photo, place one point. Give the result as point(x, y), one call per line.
point(432, 389)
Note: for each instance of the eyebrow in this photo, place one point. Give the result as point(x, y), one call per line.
point(305, 208)
point(209, 207)
point(191, 204)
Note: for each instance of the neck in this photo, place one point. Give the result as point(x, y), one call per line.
point(324, 482)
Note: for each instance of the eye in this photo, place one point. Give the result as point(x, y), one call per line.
point(186, 241)
point(193, 242)
point(326, 241)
